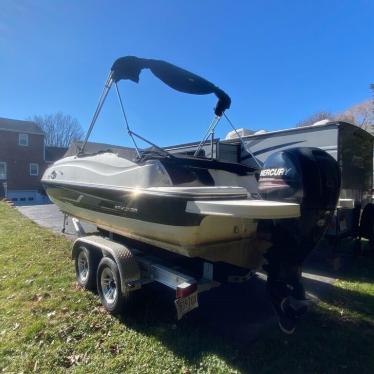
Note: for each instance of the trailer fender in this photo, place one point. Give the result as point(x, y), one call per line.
point(127, 264)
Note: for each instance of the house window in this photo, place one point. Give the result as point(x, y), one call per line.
point(34, 169)
point(2, 170)
point(23, 139)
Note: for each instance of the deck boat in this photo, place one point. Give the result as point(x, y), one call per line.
point(188, 206)
point(197, 206)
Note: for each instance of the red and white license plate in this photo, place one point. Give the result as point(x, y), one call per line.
point(186, 304)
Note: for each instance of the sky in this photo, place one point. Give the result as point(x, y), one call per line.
point(280, 61)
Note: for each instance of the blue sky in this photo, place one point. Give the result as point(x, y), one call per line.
point(280, 61)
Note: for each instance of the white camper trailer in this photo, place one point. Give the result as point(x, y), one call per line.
point(350, 145)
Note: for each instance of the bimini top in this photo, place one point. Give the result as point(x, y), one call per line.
point(129, 67)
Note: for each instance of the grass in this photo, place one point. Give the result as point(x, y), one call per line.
point(49, 325)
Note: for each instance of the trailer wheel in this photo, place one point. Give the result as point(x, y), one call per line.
point(85, 268)
point(109, 286)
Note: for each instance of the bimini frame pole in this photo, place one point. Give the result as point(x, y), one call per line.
point(242, 141)
point(210, 132)
point(103, 96)
point(125, 118)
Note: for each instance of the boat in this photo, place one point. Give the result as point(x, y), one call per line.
point(196, 206)
point(191, 207)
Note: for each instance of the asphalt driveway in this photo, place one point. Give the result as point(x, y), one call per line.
point(49, 216)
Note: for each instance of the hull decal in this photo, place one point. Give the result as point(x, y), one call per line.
point(149, 208)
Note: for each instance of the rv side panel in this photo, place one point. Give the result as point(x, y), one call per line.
point(262, 146)
point(355, 148)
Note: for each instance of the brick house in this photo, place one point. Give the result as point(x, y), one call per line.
point(23, 161)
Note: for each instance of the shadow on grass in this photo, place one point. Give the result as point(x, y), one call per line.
point(222, 325)
point(236, 323)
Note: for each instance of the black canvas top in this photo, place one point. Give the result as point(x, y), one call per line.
point(129, 67)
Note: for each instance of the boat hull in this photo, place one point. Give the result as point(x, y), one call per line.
point(164, 223)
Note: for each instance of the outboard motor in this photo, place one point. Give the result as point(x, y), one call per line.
point(311, 178)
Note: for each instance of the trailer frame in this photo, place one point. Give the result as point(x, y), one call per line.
point(137, 268)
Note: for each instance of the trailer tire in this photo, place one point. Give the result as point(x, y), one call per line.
point(86, 262)
point(109, 286)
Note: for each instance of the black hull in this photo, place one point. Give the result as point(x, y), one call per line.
point(153, 208)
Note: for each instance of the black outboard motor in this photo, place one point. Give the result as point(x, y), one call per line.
point(311, 178)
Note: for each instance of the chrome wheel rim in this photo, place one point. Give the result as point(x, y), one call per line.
point(108, 286)
point(82, 266)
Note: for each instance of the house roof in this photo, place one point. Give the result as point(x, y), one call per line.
point(54, 153)
point(16, 125)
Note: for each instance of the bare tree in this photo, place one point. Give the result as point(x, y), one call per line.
point(361, 115)
point(60, 129)
point(319, 116)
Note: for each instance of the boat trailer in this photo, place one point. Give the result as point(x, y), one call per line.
point(117, 271)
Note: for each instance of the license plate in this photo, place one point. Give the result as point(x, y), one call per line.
point(186, 304)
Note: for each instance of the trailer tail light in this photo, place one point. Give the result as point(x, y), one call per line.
point(185, 289)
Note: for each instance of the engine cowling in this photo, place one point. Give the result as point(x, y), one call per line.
point(308, 176)
point(311, 178)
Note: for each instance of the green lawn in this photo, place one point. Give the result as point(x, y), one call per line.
point(49, 325)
